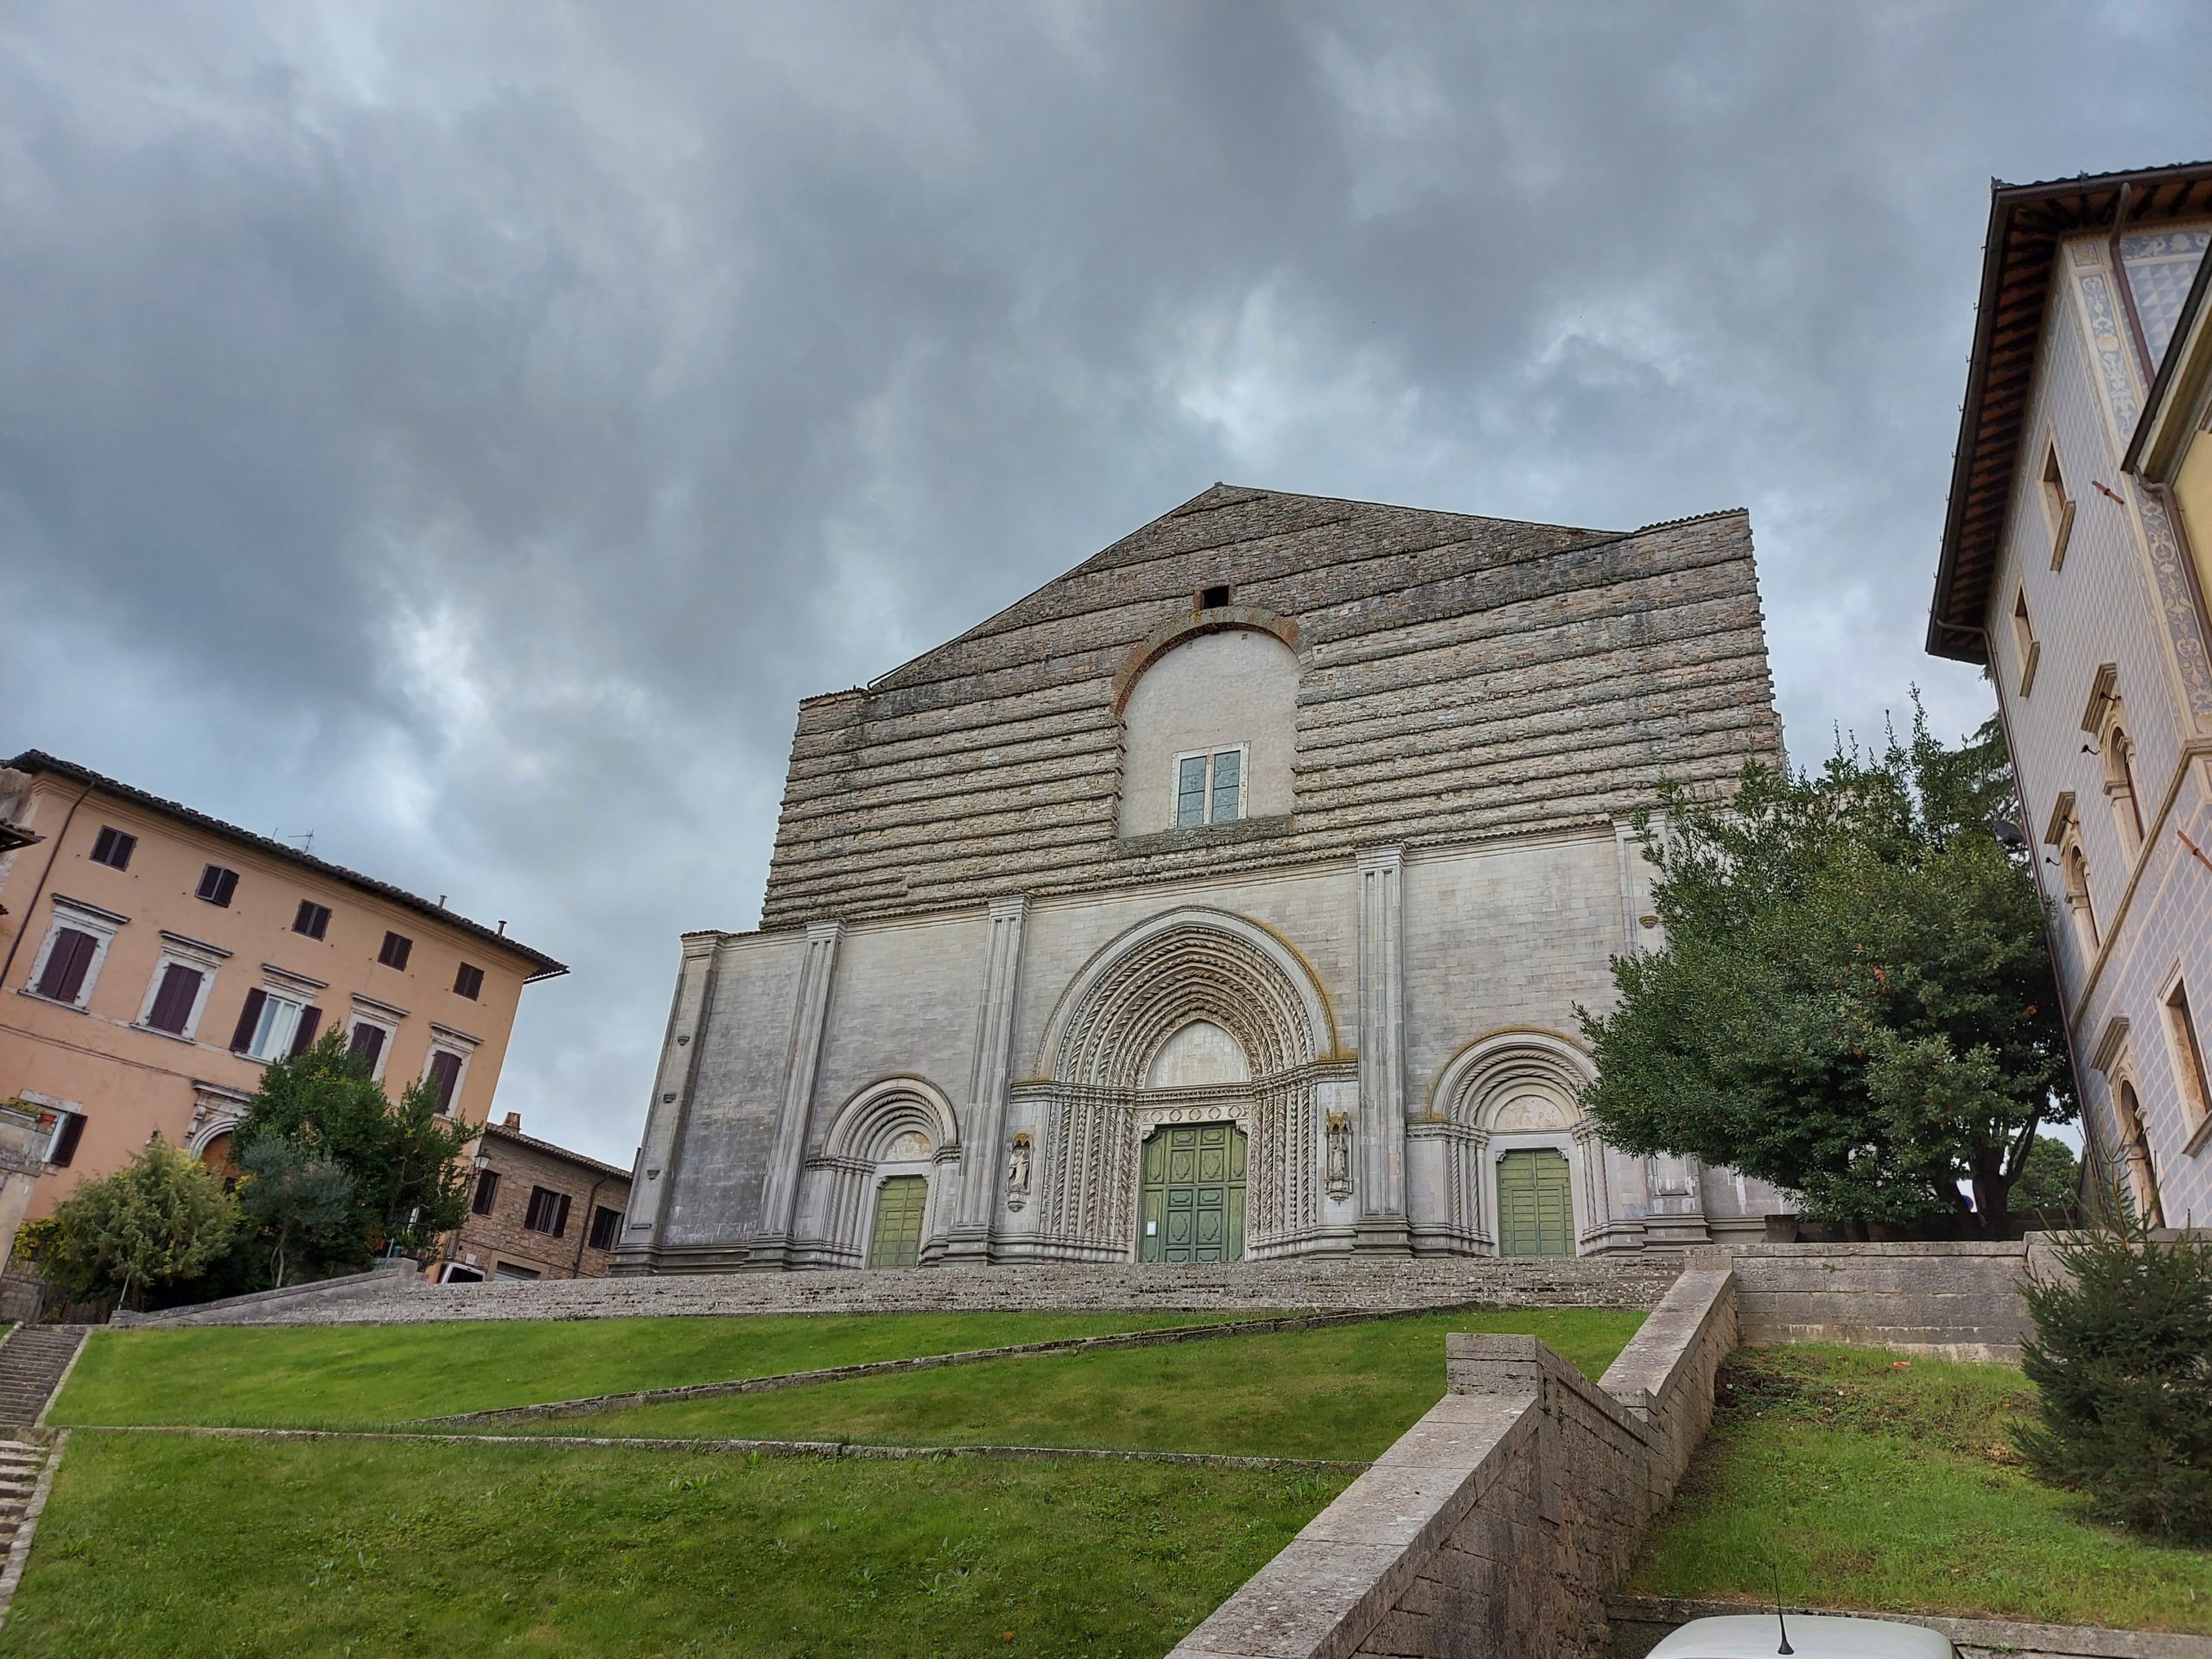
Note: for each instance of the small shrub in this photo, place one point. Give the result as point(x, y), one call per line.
point(159, 1219)
point(2122, 1359)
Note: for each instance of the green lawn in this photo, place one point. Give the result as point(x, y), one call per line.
point(355, 1375)
point(160, 1545)
point(1885, 1486)
point(1344, 1391)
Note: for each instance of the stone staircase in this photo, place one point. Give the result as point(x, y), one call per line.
point(32, 1360)
point(21, 1464)
point(1304, 1282)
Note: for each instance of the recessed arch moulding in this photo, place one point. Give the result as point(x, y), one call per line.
point(1196, 1015)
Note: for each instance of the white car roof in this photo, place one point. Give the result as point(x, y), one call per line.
point(1813, 1636)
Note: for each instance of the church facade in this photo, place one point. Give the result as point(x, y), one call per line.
point(1229, 896)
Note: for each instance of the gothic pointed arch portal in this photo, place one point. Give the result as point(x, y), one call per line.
point(1519, 1163)
point(1196, 1019)
point(880, 1191)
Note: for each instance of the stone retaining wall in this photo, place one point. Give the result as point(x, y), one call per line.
point(1632, 1282)
point(1497, 1524)
point(1953, 1301)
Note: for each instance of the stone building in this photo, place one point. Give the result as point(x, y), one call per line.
point(535, 1211)
point(2074, 570)
point(155, 960)
point(1229, 895)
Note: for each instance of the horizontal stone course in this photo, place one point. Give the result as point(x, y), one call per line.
point(1636, 1281)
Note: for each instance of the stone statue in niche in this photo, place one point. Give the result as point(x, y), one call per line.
point(1017, 1172)
point(1339, 1154)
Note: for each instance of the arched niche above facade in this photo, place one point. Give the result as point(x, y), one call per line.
point(898, 1120)
point(1222, 703)
point(1185, 965)
point(1514, 1082)
point(1200, 1055)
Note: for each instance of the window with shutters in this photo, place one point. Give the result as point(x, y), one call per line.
point(487, 1193)
point(176, 999)
point(469, 981)
point(312, 919)
point(61, 1144)
point(64, 975)
point(68, 963)
point(2188, 1049)
point(113, 846)
point(1209, 787)
point(367, 1044)
point(548, 1212)
point(274, 1026)
point(443, 1075)
point(606, 1227)
point(396, 947)
point(217, 885)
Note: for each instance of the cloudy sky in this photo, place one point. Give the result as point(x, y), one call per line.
point(466, 430)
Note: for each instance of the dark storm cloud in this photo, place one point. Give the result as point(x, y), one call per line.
point(466, 431)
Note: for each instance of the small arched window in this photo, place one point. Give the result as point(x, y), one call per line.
point(2120, 787)
point(2075, 868)
point(2141, 1181)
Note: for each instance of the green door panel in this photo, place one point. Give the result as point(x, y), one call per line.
point(1536, 1204)
point(896, 1239)
point(1191, 1207)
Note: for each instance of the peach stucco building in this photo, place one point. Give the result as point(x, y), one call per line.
point(154, 960)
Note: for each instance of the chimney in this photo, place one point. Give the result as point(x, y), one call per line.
point(512, 1120)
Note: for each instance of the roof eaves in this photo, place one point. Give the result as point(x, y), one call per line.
point(554, 1149)
point(37, 760)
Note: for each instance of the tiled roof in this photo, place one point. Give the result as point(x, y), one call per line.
point(552, 1151)
point(37, 760)
point(2026, 222)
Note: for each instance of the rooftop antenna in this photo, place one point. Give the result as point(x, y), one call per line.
point(305, 838)
point(1775, 1566)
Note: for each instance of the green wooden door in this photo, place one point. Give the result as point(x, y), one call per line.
point(1536, 1204)
point(1191, 1205)
point(896, 1241)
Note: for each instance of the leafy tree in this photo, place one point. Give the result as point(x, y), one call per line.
point(302, 1204)
point(2118, 1359)
point(160, 1218)
point(1854, 1000)
point(2050, 1184)
point(402, 1156)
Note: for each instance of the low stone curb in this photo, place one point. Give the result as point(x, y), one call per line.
point(1639, 1622)
point(823, 1449)
point(19, 1546)
point(592, 1404)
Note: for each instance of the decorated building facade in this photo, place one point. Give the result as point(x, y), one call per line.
point(1231, 895)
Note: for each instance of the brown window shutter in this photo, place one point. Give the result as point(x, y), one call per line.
point(445, 1072)
point(310, 1023)
point(368, 1043)
point(248, 1018)
point(172, 1008)
point(561, 1215)
point(66, 964)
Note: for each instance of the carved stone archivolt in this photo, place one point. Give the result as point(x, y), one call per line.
point(901, 1125)
point(1186, 967)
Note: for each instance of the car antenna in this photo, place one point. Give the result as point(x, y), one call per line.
point(1775, 1566)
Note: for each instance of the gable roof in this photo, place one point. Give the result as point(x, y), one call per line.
point(1461, 678)
point(2026, 223)
point(37, 760)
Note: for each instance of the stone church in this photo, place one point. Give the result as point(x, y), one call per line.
point(1229, 896)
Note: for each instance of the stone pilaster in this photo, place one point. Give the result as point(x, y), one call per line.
point(984, 1120)
point(1380, 1180)
point(653, 1179)
point(803, 1059)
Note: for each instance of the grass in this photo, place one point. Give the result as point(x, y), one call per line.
point(1341, 1392)
point(172, 1546)
point(361, 1375)
point(1890, 1486)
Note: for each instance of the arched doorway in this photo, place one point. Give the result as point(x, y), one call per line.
point(1518, 1165)
point(1192, 1205)
point(876, 1194)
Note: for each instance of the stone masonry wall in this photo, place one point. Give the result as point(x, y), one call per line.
point(1496, 1525)
point(1951, 1301)
point(1463, 678)
point(1637, 1281)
